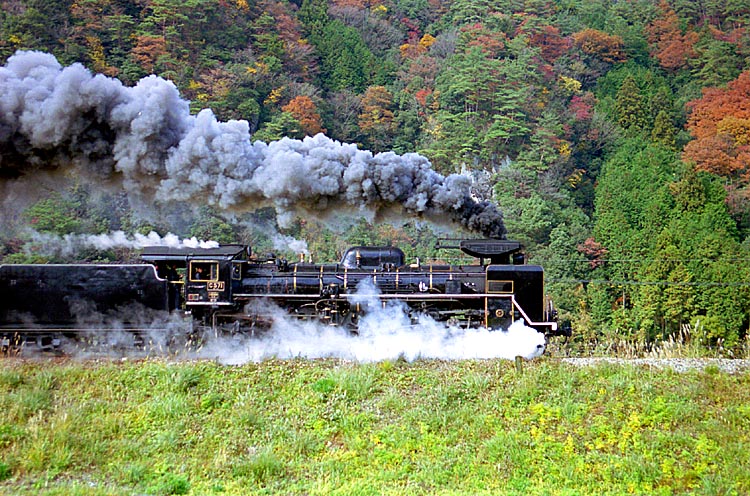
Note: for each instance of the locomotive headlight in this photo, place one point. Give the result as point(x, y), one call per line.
point(499, 313)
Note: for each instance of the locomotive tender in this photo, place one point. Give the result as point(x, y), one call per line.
point(223, 289)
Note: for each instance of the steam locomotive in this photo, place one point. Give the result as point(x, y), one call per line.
point(228, 289)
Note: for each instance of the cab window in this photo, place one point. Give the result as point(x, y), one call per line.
point(204, 271)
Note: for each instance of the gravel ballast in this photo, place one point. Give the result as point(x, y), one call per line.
point(727, 365)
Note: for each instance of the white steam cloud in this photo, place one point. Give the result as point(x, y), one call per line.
point(389, 336)
point(56, 119)
point(384, 333)
point(72, 244)
point(289, 243)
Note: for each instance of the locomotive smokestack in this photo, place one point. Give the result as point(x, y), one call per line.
point(60, 120)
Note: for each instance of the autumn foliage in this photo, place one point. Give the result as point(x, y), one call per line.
point(720, 123)
point(669, 45)
point(551, 43)
point(600, 45)
point(148, 49)
point(304, 110)
point(489, 41)
point(567, 114)
point(594, 251)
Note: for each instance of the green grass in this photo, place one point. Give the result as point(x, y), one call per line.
point(330, 427)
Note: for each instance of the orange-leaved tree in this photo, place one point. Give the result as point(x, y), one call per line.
point(600, 45)
point(306, 112)
point(598, 51)
point(376, 119)
point(720, 123)
point(147, 50)
point(669, 45)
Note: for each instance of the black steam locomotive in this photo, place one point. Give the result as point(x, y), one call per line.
point(227, 289)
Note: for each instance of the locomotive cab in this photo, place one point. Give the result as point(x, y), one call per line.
point(514, 290)
point(199, 277)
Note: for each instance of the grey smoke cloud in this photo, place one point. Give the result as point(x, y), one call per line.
point(144, 139)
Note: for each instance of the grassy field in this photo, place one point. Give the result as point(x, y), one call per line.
point(331, 427)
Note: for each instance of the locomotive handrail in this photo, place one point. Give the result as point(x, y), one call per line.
point(552, 325)
point(397, 296)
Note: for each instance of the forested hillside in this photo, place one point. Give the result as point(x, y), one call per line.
point(614, 135)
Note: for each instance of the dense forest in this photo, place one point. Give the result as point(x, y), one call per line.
point(613, 135)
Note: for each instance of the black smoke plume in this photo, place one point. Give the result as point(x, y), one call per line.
point(63, 120)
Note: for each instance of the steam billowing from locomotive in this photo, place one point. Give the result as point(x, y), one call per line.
point(60, 120)
point(387, 334)
point(71, 245)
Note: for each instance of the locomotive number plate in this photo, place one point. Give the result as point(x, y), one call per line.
point(215, 286)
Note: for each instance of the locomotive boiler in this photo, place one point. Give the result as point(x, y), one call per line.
point(229, 289)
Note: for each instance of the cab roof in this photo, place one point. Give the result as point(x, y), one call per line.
point(166, 253)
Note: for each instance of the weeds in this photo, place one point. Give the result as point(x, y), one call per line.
point(329, 427)
point(187, 378)
point(170, 484)
point(686, 343)
point(354, 383)
point(5, 471)
point(258, 467)
point(10, 379)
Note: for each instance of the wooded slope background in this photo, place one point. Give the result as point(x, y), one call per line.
point(615, 136)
